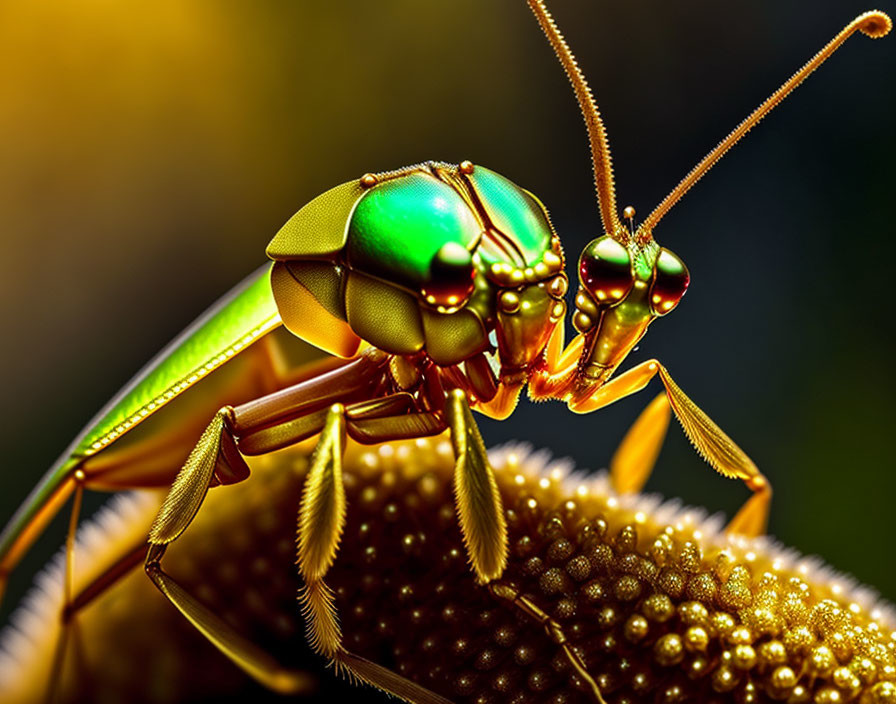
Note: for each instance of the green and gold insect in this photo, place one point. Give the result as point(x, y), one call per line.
point(438, 289)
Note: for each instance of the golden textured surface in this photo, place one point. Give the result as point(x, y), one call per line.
point(657, 602)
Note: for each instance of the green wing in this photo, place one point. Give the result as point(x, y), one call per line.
point(238, 319)
point(233, 323)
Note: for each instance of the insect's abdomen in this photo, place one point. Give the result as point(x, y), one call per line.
point(660, 607)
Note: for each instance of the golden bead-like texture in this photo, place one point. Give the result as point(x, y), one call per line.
point(657, 602)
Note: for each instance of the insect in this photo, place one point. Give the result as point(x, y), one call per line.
point(617, 270)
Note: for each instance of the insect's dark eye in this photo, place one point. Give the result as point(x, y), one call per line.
point(669, 284)
point(450, 280)
point(605, 270)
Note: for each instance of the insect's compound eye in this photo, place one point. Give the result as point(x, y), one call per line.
point(669, 283)
point(605, 270)
point(450, 280)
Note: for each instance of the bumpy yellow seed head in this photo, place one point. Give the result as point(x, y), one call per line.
point(658, 602)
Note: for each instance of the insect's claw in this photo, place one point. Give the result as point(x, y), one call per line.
point(636, 455)
point(752, 518)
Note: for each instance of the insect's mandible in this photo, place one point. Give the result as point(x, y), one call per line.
point(442, 287)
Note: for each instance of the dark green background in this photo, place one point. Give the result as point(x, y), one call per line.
point(150, 153)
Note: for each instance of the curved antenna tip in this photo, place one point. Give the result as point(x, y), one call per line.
point(874, 24)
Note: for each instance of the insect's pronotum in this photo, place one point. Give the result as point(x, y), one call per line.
point(463, 310)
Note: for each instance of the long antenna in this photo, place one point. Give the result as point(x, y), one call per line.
point(597, 135)
point(874, 24)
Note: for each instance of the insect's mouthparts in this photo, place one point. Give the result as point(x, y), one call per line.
point(516, 376)
point(588, 380)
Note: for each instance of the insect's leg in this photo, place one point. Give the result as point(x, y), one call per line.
point(387, 418)
point(215, 452)
point(69, 586)
point(560, 365)
point(636, 455)
point(321, 519)
point(68, 581)
point(479, 507)
point(297, 412)
point(80, 662)
point(27, 525)
point(252, 659)
point(478, 501)
point(69, 655)
point(752, 518)
point(149, 462)
point(321, 522)
point(554, 630)
point(720, 451)
point(724, 455)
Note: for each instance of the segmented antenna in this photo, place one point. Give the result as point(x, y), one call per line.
point(874, 24)
point(597, 134)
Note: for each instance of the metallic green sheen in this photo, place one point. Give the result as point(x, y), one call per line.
point(643, 258)
point(398, 227)
point(514, 212)
point(249, 306)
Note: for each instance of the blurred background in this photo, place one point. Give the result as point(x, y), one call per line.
point(151, 152)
